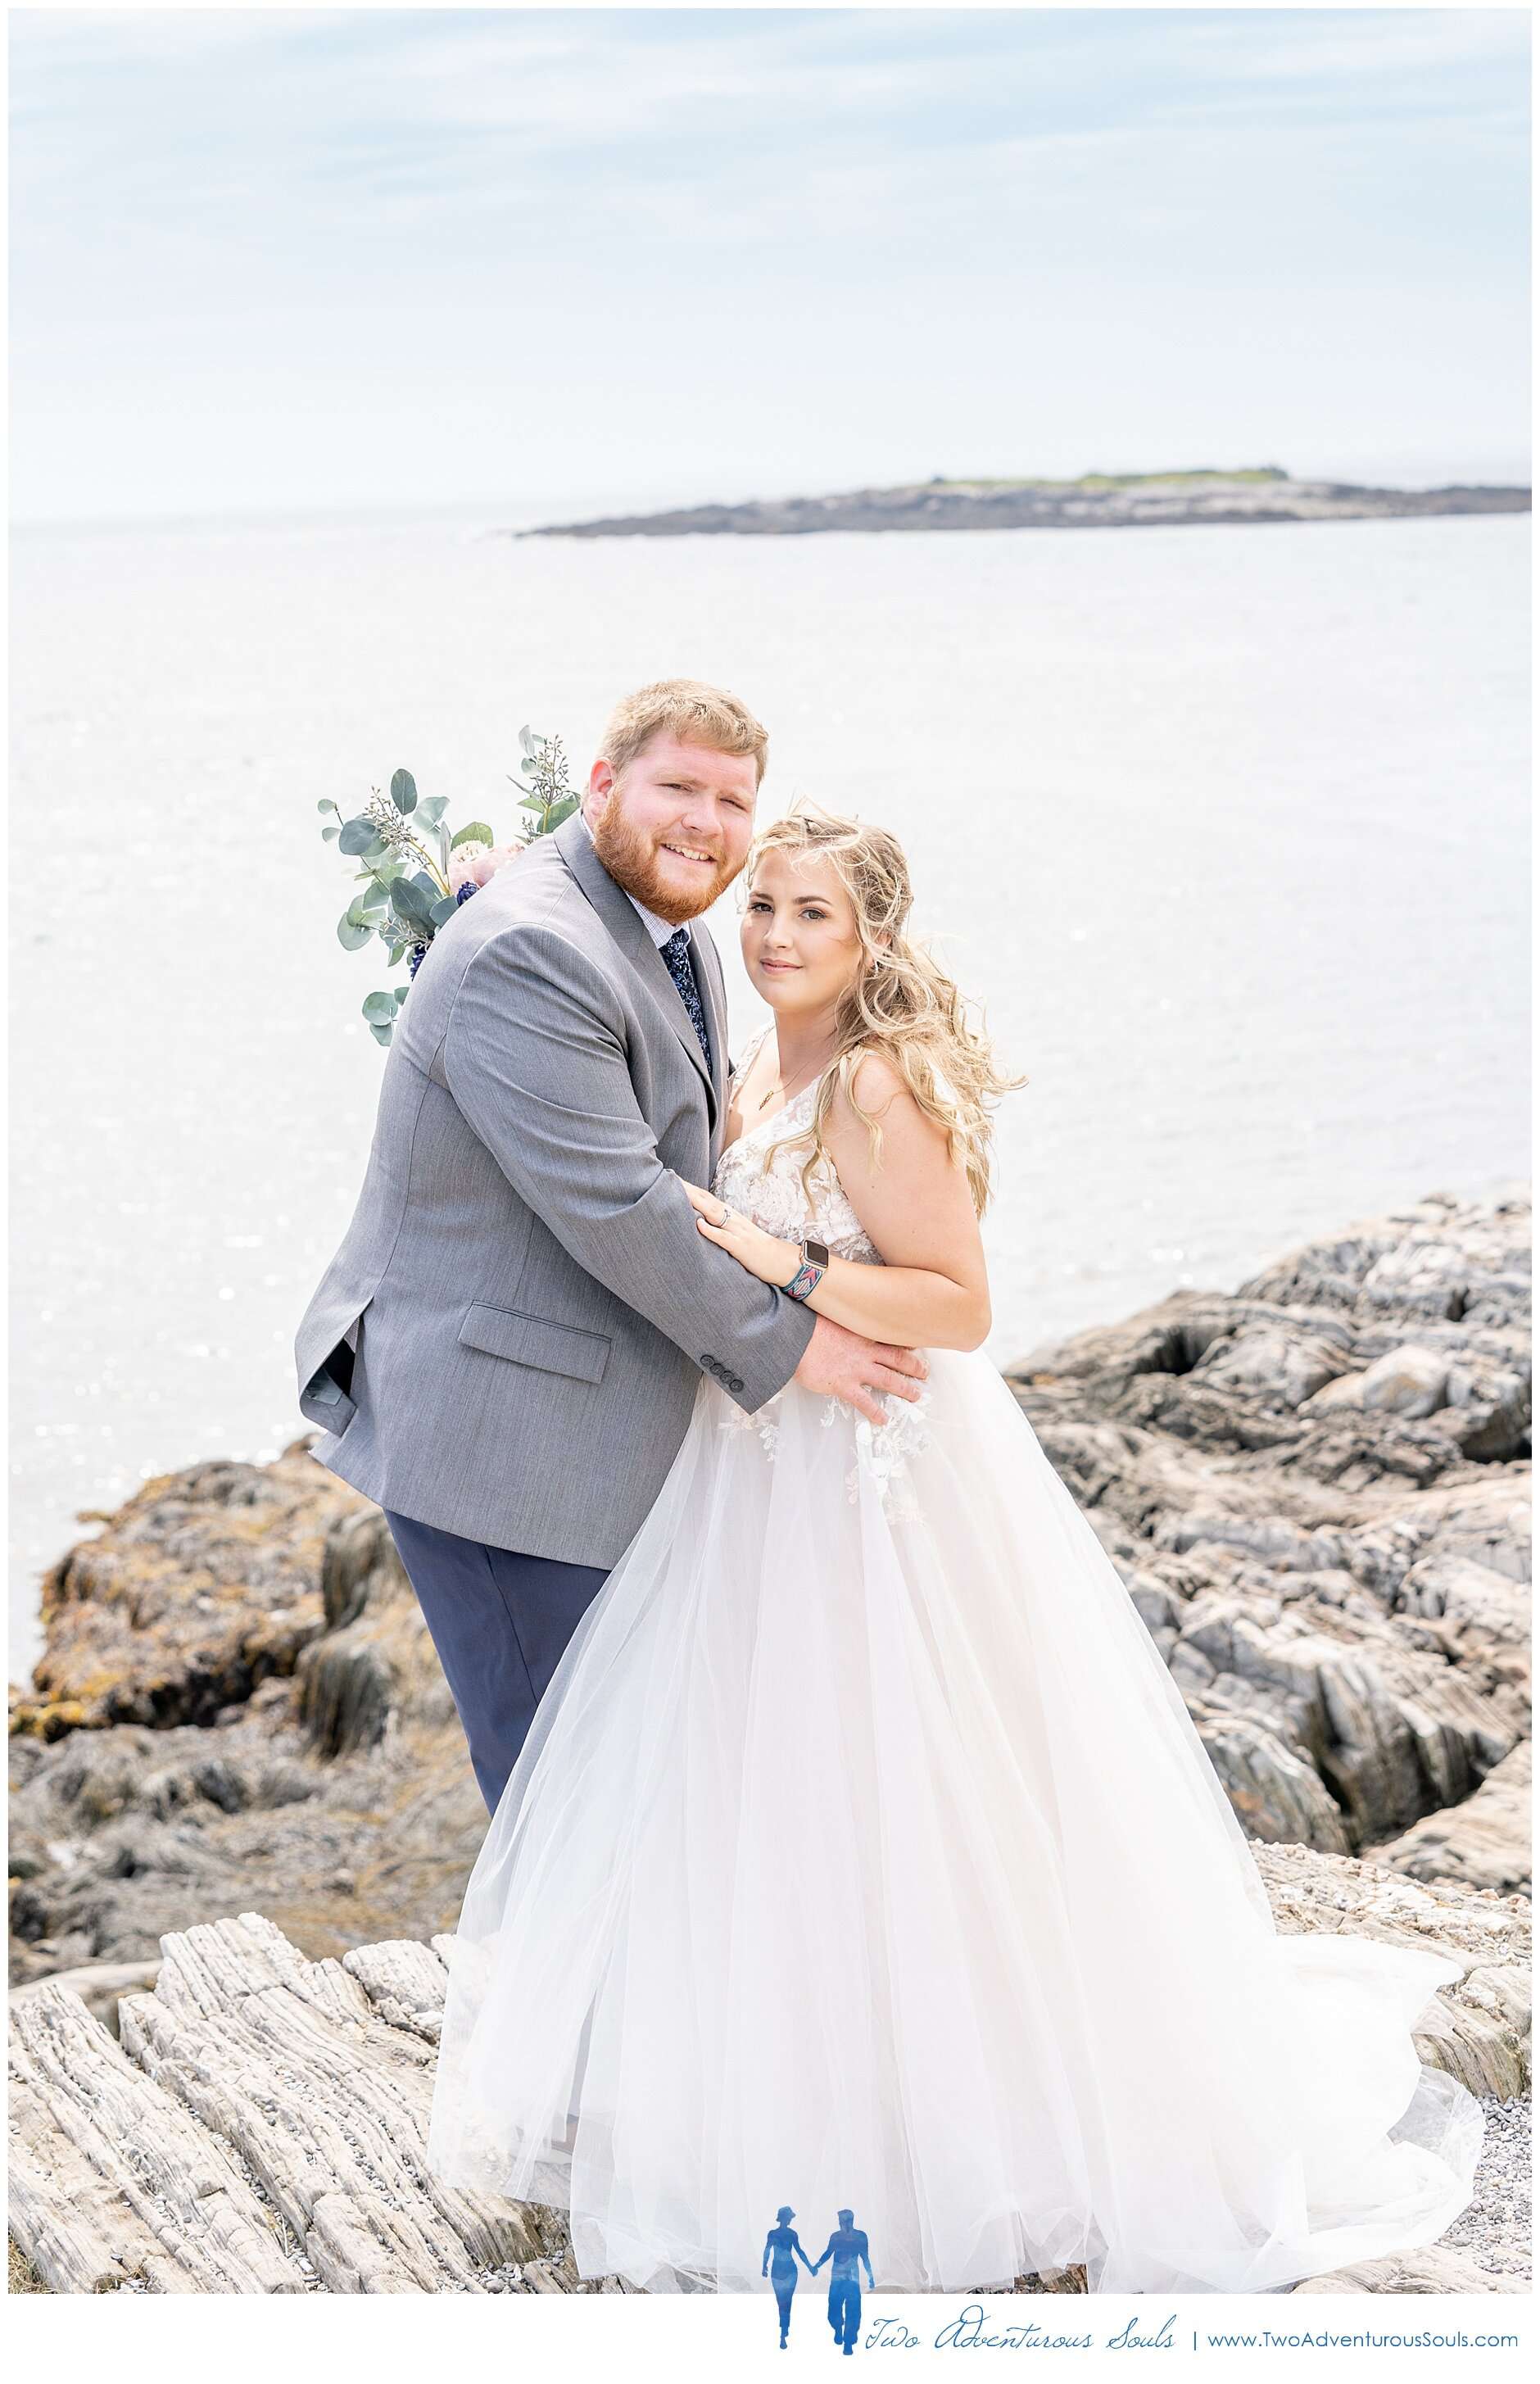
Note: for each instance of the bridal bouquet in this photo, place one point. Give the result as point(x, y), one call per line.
point(414, 872)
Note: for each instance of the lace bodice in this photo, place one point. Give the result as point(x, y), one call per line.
point(760, 1176)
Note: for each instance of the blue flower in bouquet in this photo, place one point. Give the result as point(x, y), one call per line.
point(414, 873)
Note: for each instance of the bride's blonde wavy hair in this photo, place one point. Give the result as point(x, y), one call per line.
point(901, 1004)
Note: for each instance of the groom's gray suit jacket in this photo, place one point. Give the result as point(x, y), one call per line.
point(509, 1340)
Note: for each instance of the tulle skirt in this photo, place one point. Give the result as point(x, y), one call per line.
point(864, 1856)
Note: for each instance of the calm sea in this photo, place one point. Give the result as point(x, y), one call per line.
point(1226, 827)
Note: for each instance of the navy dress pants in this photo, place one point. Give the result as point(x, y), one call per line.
point(500, 1623)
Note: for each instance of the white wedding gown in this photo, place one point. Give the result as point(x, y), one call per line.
point(863, 1853)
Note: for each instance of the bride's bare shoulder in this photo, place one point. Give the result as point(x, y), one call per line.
point(905, 1183)
point(869, 1077)
point(874, 1084)
point(913, 1150)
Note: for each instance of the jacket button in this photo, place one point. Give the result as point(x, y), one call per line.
point(708, 1361)
point(735, 1382)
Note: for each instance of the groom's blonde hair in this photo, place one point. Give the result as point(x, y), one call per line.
point(688, 709)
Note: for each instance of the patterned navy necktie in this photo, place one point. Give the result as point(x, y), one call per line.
point(676, 954)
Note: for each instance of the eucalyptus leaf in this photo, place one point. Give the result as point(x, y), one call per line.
point(358, 835)
point(443, 911)
point(326, 804)
point(533, 803)
point(398, 952)
point(380, 1007)
point(402, 991)
point(431, 811)
point(407, 903)
point(562, 811)
point(352, 935)
point(330, 832)
point(381, 1034)
point(478, 832)
point(403, 791)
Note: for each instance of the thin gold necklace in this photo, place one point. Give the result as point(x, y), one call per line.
point(790, 1096)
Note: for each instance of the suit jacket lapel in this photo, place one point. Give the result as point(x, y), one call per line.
point(708, 971)
point(626, 924)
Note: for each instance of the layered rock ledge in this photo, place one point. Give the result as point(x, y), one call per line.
point(1318, 1491)
point(258, 2124)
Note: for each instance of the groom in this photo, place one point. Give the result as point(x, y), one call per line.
point(505, 1349)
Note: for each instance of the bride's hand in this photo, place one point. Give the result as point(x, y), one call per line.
point(774, 1261)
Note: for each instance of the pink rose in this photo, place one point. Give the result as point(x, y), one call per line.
point(473, 864)
point(486, 864)
point(462, 865)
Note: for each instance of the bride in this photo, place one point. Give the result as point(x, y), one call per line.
point(862, 1853)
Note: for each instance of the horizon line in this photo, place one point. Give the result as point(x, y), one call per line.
point(498, 506)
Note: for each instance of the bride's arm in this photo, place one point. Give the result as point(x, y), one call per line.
point(932, 1292)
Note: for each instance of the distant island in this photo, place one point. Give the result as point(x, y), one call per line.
point(1096, 501)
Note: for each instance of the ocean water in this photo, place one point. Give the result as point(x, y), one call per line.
point(1226, 827)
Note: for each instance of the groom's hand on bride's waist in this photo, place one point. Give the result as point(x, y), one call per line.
point(851, 1367)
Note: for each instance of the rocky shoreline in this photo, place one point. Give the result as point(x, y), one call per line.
point(1316, 1488)
point(1099, 501)
point(259, 2122)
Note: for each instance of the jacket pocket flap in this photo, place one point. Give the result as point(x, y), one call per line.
point(535, 1341)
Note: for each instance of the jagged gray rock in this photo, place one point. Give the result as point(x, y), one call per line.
point(100, 1986)
point(1318, 1491)
point(1484, 1842)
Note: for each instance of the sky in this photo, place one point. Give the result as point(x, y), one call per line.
point(564, 261)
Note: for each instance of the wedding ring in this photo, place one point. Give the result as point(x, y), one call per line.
point(726, 1218)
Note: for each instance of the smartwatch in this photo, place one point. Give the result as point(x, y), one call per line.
point(810, 1272)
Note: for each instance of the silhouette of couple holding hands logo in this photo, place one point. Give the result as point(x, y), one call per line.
point(846, 2248)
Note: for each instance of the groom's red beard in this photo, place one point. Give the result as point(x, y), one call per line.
point(629, 854)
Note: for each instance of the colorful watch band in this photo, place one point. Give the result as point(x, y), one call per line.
point(810, 1273)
